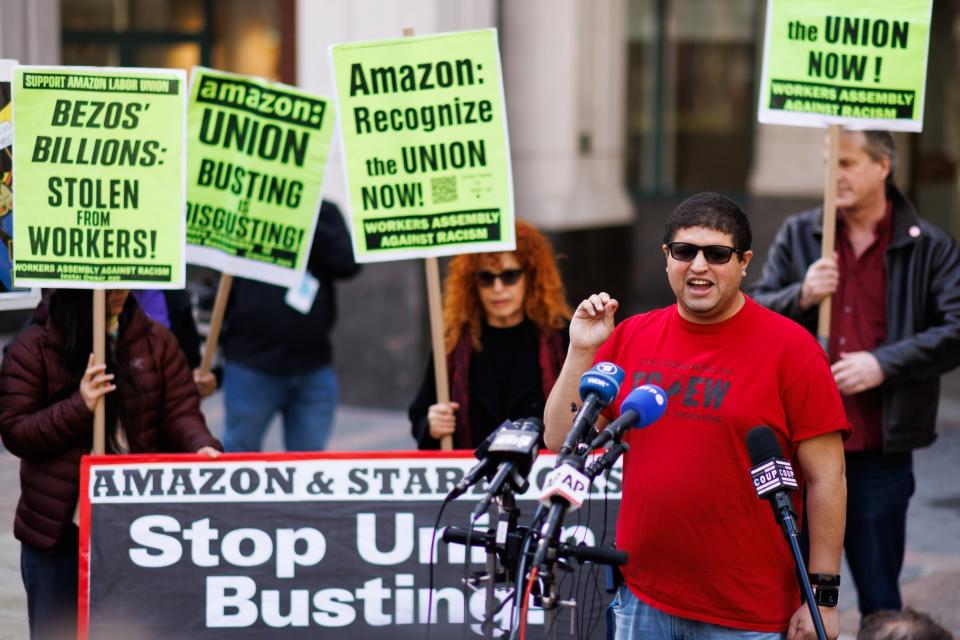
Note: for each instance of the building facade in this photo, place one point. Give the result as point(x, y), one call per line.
point(617, 110)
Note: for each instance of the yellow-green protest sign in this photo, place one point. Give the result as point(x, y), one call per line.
point(100, 177)
point(424, 131)
point(255, 164)
point(857, 63)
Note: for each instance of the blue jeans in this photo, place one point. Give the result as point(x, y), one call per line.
point(878, 493)
point(629, 618)
point(306, 400)
point(50, 579)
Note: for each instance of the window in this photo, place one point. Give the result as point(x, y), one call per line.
point(253, 37)
point(690, 95)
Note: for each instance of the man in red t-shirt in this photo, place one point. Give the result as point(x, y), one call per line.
point(706, 559)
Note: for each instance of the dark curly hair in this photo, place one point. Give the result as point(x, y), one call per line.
point(713, 211)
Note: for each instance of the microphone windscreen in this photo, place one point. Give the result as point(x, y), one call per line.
point(762, 445)
point(530, 424)
point(649, 401)
point(604, 380)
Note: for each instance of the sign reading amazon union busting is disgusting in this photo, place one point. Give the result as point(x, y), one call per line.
point(100, 177)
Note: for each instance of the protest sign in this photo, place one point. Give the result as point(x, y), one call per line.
point(426, 152)
point(100, 177)
point(10, 297)
point(857, 63)
point(257, 155)
point(302, 546)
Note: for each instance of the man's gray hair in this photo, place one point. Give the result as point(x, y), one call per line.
point(880, 145)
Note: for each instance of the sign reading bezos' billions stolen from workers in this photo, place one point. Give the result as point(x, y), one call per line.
point(424, 131)
point(100, 180)
point(257, 155)
point(857, 63)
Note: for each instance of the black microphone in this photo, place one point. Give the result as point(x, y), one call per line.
point(513, 452)
point(773, 479)
point(483, 469)
point(772, 476)
point(598, 387)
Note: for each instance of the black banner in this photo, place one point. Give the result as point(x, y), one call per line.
point(304, 546)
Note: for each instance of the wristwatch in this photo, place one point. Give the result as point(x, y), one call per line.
point(826, 589)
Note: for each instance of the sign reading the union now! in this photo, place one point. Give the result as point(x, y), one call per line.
point(857, 63)
point(100, 180)
point(424, 130)
point(307, 545)
point(257, 155)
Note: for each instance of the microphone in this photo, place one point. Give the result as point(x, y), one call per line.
point(598, 387)
point(772, 476)
point(642, 407)
point(482, 469)
point(513, 451)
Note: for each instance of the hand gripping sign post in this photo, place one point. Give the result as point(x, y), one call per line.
point(257, 155)
point(100, 183)
point(304, 545)
point(424, 131)
point(10, 297)
point(854, 63)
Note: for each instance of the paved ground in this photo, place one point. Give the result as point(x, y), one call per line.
point(931, 578)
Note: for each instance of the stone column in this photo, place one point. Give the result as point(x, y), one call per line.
point(564, 66)
point(30, 31)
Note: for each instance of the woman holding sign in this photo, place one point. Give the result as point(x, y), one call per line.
point(505, 317)
point(49, 387)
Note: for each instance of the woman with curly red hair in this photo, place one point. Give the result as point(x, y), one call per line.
point(505, 321)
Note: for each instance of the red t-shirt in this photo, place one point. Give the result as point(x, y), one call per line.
point(700, 544)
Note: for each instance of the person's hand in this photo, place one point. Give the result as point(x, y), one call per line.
point(208, 451)
point(206, 382)
point(95, 383)
point(819, 282)
point(801, 625)
point(441, 419)
point(592, 322)
point(856, 372)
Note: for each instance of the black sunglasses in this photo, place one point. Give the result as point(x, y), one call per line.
point(713, 254)
point(508, 277)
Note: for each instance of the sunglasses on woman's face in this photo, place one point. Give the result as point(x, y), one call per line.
point(713, 254)
point(508, 277)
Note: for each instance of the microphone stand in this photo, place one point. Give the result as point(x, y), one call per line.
point(503, 542)
point(785, 516)
point(550, 551)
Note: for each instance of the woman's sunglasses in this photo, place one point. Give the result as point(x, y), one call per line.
point(713, 254)
point(508, 277)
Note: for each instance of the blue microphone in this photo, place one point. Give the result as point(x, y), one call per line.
point(598, 387)
point(642, 407)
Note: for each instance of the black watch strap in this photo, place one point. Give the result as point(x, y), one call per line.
point(824, 579)
point(826, 590)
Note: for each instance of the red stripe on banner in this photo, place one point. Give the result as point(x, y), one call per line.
point(113, 459)
point(83, 579)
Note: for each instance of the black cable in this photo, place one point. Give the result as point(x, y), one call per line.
point(520, 583)
point(433, 546)
point(468, 553)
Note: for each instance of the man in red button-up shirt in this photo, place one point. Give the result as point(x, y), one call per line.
point(895, 328)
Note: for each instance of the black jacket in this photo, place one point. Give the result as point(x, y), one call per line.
point(182, 324)
point(923, 312)
point(262, 332)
